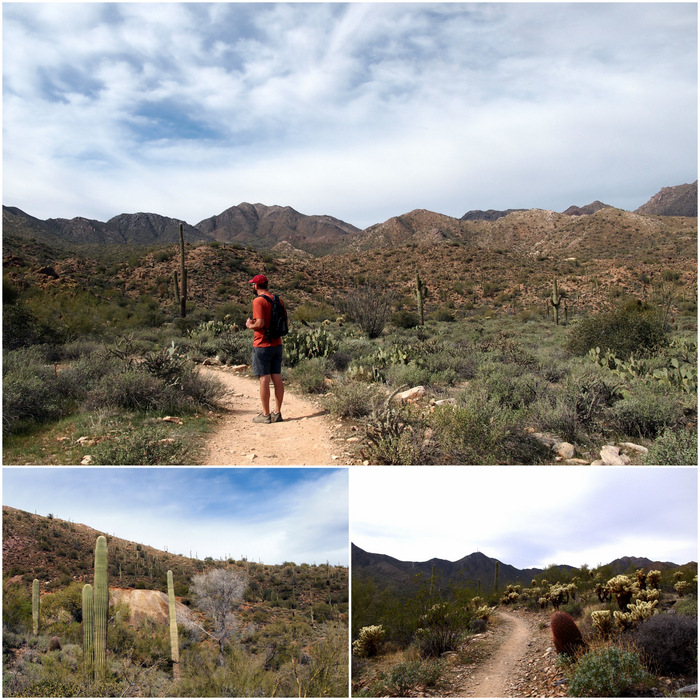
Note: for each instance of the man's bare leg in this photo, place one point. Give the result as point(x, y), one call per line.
point(265, 393)
point(279, 391)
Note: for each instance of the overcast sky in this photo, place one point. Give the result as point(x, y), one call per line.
point(268, 515)
point(527, 516)
point(362, 111)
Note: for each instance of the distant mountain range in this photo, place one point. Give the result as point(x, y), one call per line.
point(263, 227)
point(401, 576)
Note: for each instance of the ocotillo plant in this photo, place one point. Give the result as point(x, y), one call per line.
point(88, 626)
point(174, 645)
point(36, 603)
point(421, 294)
point(101, 605)
point(556, 301)
point(183, 276)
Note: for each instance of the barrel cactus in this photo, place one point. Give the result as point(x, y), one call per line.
point(565, 633)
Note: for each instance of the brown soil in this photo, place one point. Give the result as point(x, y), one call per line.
point(305, 437)
point(521, 662)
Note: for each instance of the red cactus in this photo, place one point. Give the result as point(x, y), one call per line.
point(566, 634)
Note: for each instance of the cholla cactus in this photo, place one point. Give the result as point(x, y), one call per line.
point(477, 601)
point(649, 595)
point(558, 595)
point(641, 578)
point(653, 578)
point(367, 644)
point(483, 612)
point(678, 575)
point(623, 620)
point(603, 622)
point(681, 587)
point(542, 602)
point(621, 587)
point(643, 610)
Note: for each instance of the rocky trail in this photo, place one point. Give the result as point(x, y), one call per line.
point(305, 437)
point(521, 662)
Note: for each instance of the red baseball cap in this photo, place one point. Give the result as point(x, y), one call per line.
point(258, 279)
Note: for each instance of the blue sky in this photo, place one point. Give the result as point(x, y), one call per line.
point(527, 516)
point(362, 111)
point(268, 515)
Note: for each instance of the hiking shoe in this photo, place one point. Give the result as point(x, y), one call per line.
point(262, 418)
point(275, 417)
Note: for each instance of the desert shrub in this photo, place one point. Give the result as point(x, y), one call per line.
point(407, 674)
point(21, 328)
point(607, 672)
point(479, 431)
point(310, 375)
point(351, 400)
point(394, 435)
point(405, 319)
point(233, 348)
point(441, 628)
point(646, 413)
point(369, 307)
point(687, 606)
point(669, 643)
point(132, 389)
point(675, 447)
point(29, 391)
point(150, 445)
point(634, 328)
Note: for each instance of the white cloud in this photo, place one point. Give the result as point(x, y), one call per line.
point(363, 111)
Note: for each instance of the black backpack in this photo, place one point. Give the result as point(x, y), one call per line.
point(279, 325)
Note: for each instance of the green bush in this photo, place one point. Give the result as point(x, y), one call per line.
point(147, 446)
point(674, 447)
point(351, 400)
point(310, 376)
point(635, 328)
point(405, 319)
point(646, 413)
point(609, 672)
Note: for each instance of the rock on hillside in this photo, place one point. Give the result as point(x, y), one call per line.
point(681, 200)
point(152, 605)
point(261, 226)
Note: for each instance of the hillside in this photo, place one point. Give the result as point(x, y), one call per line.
point(681, 200)
point(59, 552)
point(474, 570)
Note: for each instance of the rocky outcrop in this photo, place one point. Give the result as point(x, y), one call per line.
point(681, 200)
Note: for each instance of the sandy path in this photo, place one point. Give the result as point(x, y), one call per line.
point(494, 678)
point(303, 438)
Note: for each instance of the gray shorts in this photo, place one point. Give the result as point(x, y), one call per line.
point(267, 360)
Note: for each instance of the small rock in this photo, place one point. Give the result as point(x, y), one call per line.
point(239, 368)
point(252, 456)
point(86, 460)
point(631, 447)
point(411, 394)
point(610, 454)
point(352, 439)
point(172, 419)
point(565, 450)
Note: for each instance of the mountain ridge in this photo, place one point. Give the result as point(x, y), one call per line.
point(263, 226)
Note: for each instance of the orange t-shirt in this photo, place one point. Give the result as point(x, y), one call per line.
point(263, 309)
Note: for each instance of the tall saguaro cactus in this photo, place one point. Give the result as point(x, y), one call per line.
point(183, 276)
point(88, 626)
point(421, 294)
point(174, 644)
point(556, 301)
point(36, 604)
point(101, 605)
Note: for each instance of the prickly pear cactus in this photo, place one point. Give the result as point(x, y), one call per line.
point(565, 633)
point(174, 645)
point(101, 605)
point(36, 603)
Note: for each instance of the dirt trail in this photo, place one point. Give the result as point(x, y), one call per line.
point(493, 679)
point(304, 438)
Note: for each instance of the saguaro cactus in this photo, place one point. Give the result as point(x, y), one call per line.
point(88, 626)
point(421, 294)
point(36, 604)
point(183, 276)
point(556, 301)
point(174, 644)
point(101, 605)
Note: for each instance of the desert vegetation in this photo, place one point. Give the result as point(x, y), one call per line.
point(514, 354)
point(216, 628)
point(631, 634)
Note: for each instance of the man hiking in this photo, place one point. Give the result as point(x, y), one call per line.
point(267, 348)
